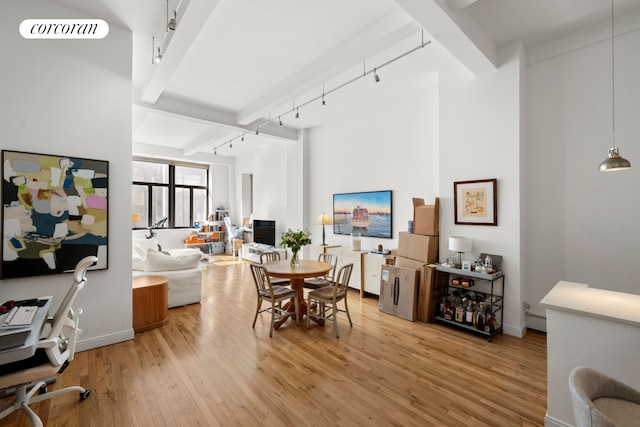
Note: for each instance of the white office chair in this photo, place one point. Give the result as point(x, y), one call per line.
point(52, 356)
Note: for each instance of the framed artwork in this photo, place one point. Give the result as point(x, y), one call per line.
point(54, 213)
point(365, 213)
point(475, 202)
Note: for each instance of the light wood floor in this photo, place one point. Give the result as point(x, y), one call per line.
point(206, 366)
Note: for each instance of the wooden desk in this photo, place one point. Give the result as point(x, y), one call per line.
point(307, 268)
point(28, 349)
point(150, 302)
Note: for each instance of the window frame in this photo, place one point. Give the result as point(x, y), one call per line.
point(171, 186)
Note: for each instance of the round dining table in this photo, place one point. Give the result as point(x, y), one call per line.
point(307, 268)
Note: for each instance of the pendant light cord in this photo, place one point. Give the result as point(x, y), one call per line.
point(613, 81)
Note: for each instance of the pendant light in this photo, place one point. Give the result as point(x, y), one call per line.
point(614, 161)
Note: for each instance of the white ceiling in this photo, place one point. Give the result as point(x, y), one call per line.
point(232, 65)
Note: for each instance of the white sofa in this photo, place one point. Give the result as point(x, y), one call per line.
point(182, 267)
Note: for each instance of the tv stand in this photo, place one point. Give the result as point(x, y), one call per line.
point(252, 251)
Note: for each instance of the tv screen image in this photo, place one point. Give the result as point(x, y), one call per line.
point(264, 232)
point(365, 213)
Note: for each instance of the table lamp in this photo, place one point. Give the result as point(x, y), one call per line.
point(459, 245)
point(324, 219)
point(135, 217)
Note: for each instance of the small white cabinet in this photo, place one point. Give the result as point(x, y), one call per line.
point(367, 266)
point(252, 251)
point(372, 267)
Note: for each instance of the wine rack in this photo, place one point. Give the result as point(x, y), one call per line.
point(481, 292)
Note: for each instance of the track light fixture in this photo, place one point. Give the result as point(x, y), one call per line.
point(171, 23)
point(155, 59)
point(321, 97)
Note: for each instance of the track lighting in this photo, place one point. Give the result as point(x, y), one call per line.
point(296, 109)
point(215, 152)
point(155, 59)
point(172, 23)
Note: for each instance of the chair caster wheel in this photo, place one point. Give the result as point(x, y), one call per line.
point(85, 394)
point(42, 390)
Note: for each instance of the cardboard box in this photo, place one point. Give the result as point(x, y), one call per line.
point(408, 263)
point(428, 295)
point(426, 218)
point(398, 291)
point(418, 247)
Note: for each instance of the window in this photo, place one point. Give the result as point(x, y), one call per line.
point(178, 192)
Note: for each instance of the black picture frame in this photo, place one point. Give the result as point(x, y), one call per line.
point(55, 211)
point(476, 202)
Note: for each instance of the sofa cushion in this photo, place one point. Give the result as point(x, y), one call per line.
point(140, 246)
point(137, 262)
point(158, 261)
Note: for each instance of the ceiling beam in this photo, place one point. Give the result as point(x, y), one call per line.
point(191, 18)
point(456, 31)
point(195, 113)
point(385, 33)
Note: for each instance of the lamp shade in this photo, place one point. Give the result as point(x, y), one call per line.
point(459, 244)
point(324, 219)
point(135, 217)
point(614, 162)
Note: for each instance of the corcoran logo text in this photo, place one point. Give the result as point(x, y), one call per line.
point(64, 29)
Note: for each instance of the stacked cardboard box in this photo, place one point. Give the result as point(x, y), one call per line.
point(418, 249)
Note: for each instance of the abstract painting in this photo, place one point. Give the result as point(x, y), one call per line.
point(54, 213)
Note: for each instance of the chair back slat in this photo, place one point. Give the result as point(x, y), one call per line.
point(329, 259)
point(266, 257)
point(341, 283)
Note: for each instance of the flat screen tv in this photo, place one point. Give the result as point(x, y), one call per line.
point(366, 213)
point(264, 231)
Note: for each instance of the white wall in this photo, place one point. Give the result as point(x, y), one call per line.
point(268, 165)
point(389, 142)
point(480, 139)
point(73, 97)
point(582, 224)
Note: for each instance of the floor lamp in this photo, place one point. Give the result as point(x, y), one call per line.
point(324, 219)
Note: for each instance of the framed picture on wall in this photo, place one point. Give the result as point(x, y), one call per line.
point(365, 213)
point(475, 202)
point(54, 213)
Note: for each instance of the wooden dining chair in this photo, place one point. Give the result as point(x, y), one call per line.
point(327, 298)
point(327, 279)
point(272, 256)
point(274, 294)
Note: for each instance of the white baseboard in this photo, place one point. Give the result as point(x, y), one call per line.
point(514, 330)
point(549, 421)
point(83, 345)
